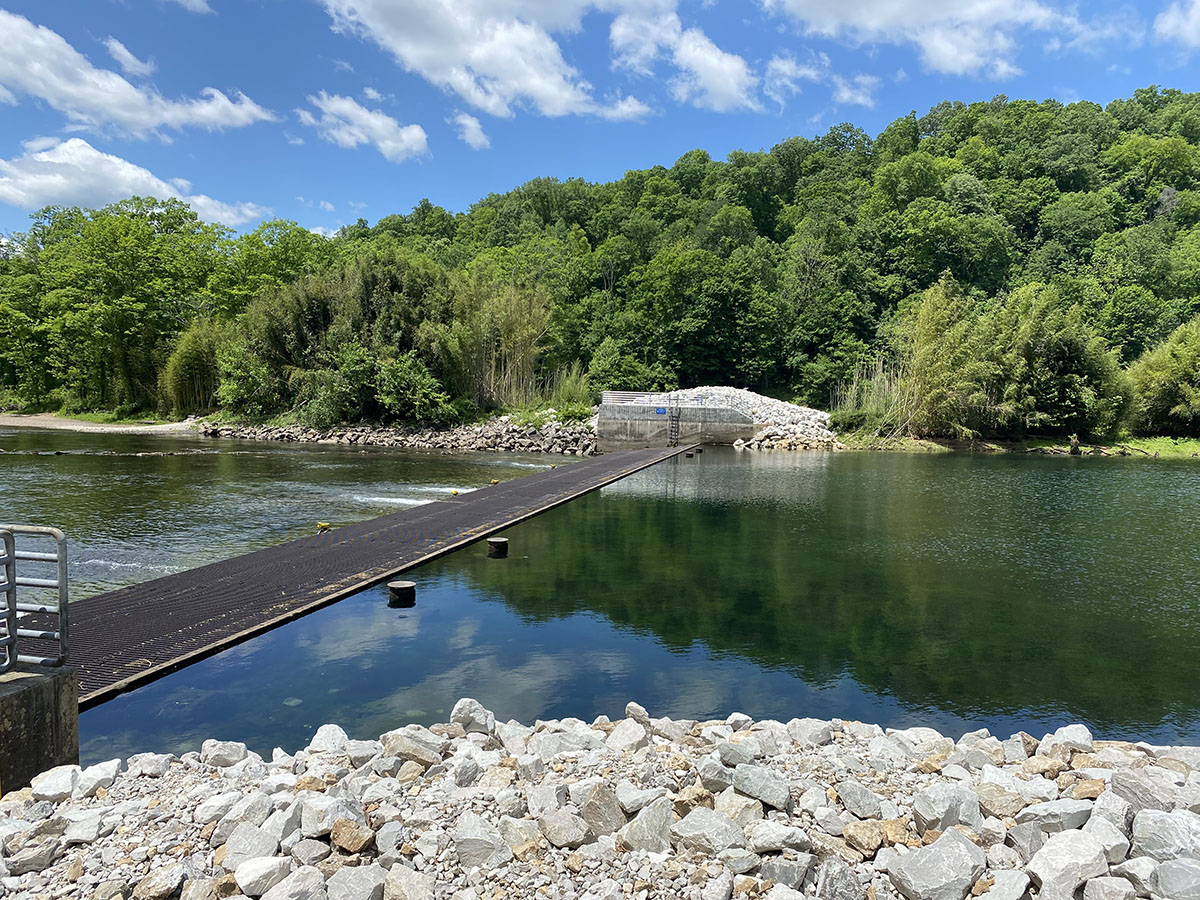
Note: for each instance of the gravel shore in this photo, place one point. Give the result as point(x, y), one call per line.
point(633, 809)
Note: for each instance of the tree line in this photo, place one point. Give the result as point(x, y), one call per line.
point(1000, 268)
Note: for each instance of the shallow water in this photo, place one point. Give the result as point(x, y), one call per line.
point(137, 507)
point(957, 591)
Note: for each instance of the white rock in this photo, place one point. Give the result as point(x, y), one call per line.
point(357, 883)
point(306, 883)
point(1162, 836)
point(215, 807)
point(762, 784)
point(248, 842)
point(628, 736)
point(707, 831)
point(1057, 815)
point(478, 843)
point(1008, 885)
point(941, 805)
point(1065, 862)
point(473, 717)
point(328, 739)
point(55, 784)
point(403, 883)
point(1178, 879)
point(945, 870)
point(91, 779)
point(1109, 888)
point(650, 829)
point(1116, 845)
point(222, 753)
point(257, 876)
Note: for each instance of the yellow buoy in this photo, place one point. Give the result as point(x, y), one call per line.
point(454, 493)
point(322, 527)
point(495, 481)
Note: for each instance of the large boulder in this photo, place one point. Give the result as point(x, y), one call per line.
point(945, 870)
point(1065, 862)
point(473, 717)
point(942, 805)
point(1162, 835)
point(650, 829)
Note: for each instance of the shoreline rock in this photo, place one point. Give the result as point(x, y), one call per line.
point(638, 808)
point(498, 435)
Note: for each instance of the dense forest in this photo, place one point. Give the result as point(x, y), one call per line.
point(1000, 268)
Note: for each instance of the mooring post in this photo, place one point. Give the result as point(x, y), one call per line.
point(497, 548)
point(402, 594)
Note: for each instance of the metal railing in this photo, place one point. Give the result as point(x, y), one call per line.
point(8, 597)
point(50, 621)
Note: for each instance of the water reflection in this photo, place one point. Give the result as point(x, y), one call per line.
point(952, 591)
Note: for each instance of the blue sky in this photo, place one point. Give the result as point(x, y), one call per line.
point(323, 111)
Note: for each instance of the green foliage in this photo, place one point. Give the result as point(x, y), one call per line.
point(1166, 385)
point(407, 390)
point(191, 377)
point(816, 268)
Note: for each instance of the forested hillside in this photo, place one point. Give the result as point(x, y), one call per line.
point(999, 268)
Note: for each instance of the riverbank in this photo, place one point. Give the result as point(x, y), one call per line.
point(640, 807)
point(55, 422)
point(1133, 447)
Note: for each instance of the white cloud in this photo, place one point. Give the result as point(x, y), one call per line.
point(323, 231)
point(371, 94)
point(38, 63)
point(1179, 23)
point(957, 37)
point(348, 124)
point(53, 172)
point(293, 139)
point(196, 6)
point(326, 205)
point(497, 55)
point(708, 76)
point(711, 78)
point(784, 74)
point(129, 63)
point(859, 90)
point(470, 132)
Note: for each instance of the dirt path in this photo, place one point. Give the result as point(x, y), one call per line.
point(58, 423)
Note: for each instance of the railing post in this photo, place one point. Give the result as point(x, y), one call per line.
point(8, 597)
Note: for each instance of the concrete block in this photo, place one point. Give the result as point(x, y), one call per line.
point(39, 723)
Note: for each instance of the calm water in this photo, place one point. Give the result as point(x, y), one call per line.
point(956, 591)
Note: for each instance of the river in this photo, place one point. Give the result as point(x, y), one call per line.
point(958, 591)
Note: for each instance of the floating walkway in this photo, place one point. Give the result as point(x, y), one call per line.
point(133, 635)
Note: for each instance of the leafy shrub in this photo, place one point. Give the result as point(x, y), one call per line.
point(405, 389)
point(1166, 385)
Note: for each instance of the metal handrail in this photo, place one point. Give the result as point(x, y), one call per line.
point(8, 596)
point(57, 607)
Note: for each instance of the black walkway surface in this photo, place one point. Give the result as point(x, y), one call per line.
point(133, 635)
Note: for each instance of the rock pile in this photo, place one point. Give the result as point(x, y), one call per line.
point(498, 435)
point(630, 810)
point(792, 437)
point(763, 410)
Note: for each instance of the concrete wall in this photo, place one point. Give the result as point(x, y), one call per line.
point(39, 723)
point(626, 425)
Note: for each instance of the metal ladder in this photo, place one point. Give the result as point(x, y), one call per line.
point(673, 414)
point(50, 620)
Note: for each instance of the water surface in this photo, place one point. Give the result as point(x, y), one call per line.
point(956, 591)
point(1009, 592)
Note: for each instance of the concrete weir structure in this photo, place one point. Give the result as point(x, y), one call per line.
point(628, 419)
point(39, 722)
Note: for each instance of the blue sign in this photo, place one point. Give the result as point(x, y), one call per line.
point(660, 411)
